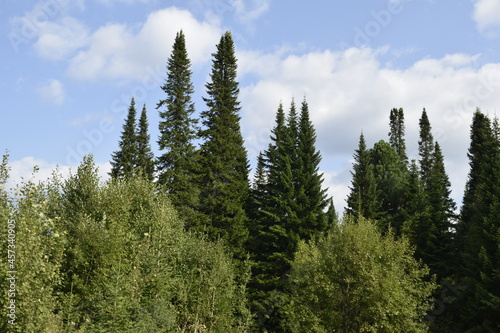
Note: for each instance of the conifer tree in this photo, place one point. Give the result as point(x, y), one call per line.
point(439, 247)
point(391, 177)
point(397, 133)
point(177, 165)
point(425, 148)
point(362, 199)
point(478, 231)
point(256, 203)
point(145, 158)
point(223, 162)
point(274, 238)
point(124, 160)
point(311, 197)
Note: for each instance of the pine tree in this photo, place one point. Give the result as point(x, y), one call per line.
point(397, 133)
point(124, 160)
point(425, 148)
point(145, 158)
point(362, 199)
point(178, 164)
point(224, 163)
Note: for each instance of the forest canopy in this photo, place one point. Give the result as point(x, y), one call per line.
point(186, 241)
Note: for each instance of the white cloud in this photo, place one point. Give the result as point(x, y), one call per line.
point(117, 51)
point(47, 25)
point(57, 41)
point(248, 14)
point(52, 91)
point(486, 14)
point(352, 91)
point(128, 2)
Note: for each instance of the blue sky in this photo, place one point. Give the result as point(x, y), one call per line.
point(70, 68)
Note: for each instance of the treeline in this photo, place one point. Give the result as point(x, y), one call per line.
point(185, 242)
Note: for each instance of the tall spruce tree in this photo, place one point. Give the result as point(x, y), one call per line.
point(276, 238)
point(311, 196)
point(145, 158)
point(177, 165)
point(391, 178)
point(362, 200)
point(478, 231)
point(224, 163)
point(292, 208)
point(425, 148)
point(397, 133)
point(439, 252)
point(124, 160)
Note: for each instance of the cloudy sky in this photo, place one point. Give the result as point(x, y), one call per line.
point(70, 67)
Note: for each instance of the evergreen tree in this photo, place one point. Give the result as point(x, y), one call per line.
point(292, 208)
point(440, 247)
point(270, 241)
point(391, 177)
point(362, 200)
point(178, 164)
point(397, 133)
point(145, 158)
point(478, 231)
point(124, 160)
point(311, 197)
point(425, 148)
point(224, 163)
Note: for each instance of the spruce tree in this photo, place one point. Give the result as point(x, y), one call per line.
point(224, 164)
point(274, 238)
point(391, 177)
point(439, 247)
point(124, 160)
point(177, 165)
point(479, 229)
point(311, 197)
point(145, 158)
point(425, 148)
point(362, 200)
point(397, 133)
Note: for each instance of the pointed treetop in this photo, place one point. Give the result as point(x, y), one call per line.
point(397, 133)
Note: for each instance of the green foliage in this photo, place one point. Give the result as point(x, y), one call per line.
point(353, 279)
point(425, 148)
point(391, 177)
point(115, 257)
point(479, 228)
point(287, 204)
point(397, 133)
point(134, 156)
point(311, 199)
point(362, 200)
point(145, 159)
point(178, 163)
point(31, 275)
point(223, 161)
point(124, 160)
